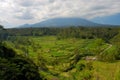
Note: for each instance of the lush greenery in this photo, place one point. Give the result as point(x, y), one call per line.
point(69, 32)
point(16, 67)
point(74, 53)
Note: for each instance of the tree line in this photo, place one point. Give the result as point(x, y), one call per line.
point(106, 33)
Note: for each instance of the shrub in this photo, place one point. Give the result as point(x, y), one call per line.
point(16, 67)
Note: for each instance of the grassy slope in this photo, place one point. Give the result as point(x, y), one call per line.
point(106, 71)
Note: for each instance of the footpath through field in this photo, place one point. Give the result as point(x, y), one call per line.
point(110, 45)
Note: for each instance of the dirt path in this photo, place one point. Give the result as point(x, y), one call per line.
point(106, 49)
point(95, 58)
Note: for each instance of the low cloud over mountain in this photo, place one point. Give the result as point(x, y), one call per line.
point(62, 22)
point(18, 12)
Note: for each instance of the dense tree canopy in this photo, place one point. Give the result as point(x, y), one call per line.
point(1, 27)
point(16, 67)
point(106, 33)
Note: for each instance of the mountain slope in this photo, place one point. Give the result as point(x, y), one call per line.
point(62, 22)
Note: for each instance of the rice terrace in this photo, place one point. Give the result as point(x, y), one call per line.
point(59, 40)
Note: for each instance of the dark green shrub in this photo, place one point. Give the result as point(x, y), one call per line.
point(16, 67)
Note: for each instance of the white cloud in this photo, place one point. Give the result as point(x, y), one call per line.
point(18, 12)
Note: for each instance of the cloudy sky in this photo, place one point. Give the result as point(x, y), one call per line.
point(17, 12)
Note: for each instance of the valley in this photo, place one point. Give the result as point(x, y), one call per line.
point(59, 39)
point(68, 58)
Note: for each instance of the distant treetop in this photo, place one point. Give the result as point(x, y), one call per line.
point(1, 27)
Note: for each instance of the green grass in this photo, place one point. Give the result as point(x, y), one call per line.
point(106, 71)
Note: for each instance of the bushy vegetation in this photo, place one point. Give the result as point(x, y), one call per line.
point(16, 67)
point(69, 32)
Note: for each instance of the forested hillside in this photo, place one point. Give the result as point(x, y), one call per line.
point(70, 32)
point(16, 67)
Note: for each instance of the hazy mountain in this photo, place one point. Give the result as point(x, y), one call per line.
point(62, 22)
point(24, 25)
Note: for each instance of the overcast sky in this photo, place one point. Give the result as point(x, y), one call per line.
point(17, 12)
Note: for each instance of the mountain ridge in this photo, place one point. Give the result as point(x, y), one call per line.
point(62, 22)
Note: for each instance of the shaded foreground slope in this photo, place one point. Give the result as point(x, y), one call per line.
point(16, 67)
